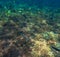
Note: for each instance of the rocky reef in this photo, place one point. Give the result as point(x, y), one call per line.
point(29, 33)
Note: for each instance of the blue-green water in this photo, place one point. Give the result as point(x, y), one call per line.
point(9, 4)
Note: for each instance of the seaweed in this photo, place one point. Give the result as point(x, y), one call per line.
point(29, 31)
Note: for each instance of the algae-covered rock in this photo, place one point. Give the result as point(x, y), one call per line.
point(50, 35)
point(41, 48)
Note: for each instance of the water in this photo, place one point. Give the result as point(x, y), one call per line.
point(30, 28)
point(29, 3)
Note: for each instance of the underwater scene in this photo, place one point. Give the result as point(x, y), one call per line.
point(29, 28)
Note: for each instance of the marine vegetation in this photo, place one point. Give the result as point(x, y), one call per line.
point(29, 32)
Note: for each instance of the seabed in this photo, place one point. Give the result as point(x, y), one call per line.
point(29, 32)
